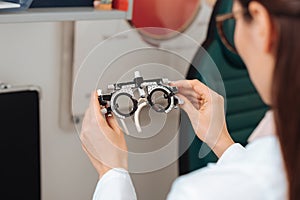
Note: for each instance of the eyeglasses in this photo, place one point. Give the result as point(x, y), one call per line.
point(224, 22)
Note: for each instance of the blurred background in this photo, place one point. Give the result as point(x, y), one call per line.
point(39, 53)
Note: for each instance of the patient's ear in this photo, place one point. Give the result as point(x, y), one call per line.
point(263, 27)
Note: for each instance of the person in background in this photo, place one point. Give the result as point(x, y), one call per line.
point(268, 168)
point(211, 3)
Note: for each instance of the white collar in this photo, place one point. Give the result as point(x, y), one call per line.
point(266, 127)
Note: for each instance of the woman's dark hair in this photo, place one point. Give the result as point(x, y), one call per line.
point(286, 85)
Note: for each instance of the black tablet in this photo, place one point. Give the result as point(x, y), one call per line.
point(61, 3)
point(20, 143)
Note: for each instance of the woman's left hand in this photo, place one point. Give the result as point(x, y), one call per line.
point(102, 139)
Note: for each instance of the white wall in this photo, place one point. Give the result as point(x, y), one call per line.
point(31, 54)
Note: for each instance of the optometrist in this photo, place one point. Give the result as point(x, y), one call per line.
point(268, 168)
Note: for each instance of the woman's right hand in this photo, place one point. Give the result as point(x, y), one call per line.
point(102, 139)
point(205, 109)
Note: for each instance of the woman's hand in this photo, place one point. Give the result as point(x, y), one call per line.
point(102, 139)
point(205, 109)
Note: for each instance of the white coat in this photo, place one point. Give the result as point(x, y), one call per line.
point(255, 172)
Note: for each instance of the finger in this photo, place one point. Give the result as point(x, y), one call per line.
point(192, 98)
point(187, 84)
point(196, 102)
point(200, 88)
point(188, 107)
point(94, 103)
point(189, 93)
point(195, 89)
point(113, 123)
point(181, 84)
point(187, 87)
point(96, 112)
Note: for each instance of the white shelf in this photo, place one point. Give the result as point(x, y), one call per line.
point(61, 14)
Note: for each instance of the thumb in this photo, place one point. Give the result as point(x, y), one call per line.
point(187, 106)
point(113, 123)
